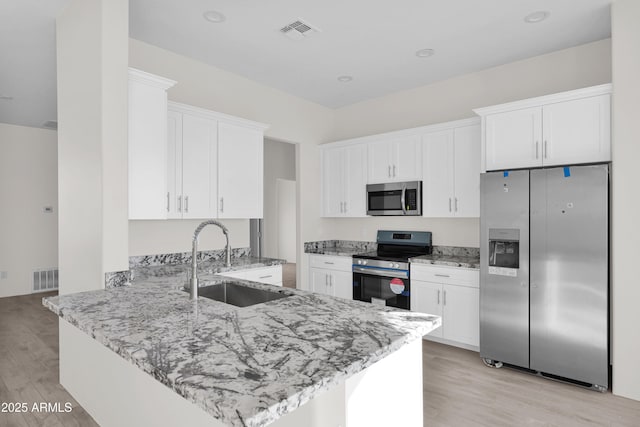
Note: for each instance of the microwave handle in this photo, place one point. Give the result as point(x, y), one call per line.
point(402, 198)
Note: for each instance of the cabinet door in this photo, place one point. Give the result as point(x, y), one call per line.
point(407, 158)
point(319, 280)
point(514, 139)
point(174, 165)
point(438, 189)
point(577, 131)
point(147, 151)
point(333, 182)
point(355, 182)
point(240, 166)
point(379, 168)
point(461, 321)
point(426, 297)
point(341, 283)
point(198, 141)
point(466, 159)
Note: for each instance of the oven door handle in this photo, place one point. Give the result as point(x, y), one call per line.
point(400, 274)
point(402, 197)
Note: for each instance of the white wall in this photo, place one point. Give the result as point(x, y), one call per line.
point(92, 142)
point(454, 99)
point(28, 183)
point(291, 119)
point(625, 198)
point(279, 162)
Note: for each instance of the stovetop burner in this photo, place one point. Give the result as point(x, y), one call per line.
point(399, 246)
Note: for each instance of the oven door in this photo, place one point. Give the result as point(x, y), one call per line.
point(382, 286)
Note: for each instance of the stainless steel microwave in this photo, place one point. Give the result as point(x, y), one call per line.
point(395, 199)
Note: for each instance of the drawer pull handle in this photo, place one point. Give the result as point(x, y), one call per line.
point(327, 262)
point(442, 275)
point(266, 277)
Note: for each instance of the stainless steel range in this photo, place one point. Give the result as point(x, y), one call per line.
point(382, 277)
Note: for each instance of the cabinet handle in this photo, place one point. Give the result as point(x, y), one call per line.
point(456, 203)
point(394, 171)
point(326, 280)
point(536, 149)
point(221, 204)
point(167, 201)
point(438, 296)
point(331, 280)
point(545, 149)
point(449, 204)
point(327, 262)
point(265, 277)
point(444, 298)
point(442, 275)
point(345, 207)
point(179, 203)
point(341, 207)
point(389, 172)
point(186, 204)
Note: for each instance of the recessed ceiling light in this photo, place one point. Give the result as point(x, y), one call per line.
point(6, 97)
point(214, 16)
point(535, 17)
point(425, 53)
point(345, 79)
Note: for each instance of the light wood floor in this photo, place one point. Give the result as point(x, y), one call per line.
point(289, 275)
point(29, 364)
point(458, 389)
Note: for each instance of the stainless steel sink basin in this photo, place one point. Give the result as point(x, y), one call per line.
point(238, 295)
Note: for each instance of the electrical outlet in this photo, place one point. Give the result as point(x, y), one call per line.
point(48, 209)
point(3, 274)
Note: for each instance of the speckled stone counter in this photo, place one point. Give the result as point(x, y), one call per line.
point(339, 247)
point(447, 260)
point(243, 366)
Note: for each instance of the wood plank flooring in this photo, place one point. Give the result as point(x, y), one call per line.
point(458, 389)
point(289, 275)
point(29, 364)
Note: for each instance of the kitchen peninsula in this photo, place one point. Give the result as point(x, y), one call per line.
point(145, 354)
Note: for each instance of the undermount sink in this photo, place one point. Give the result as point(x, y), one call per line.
point(238, 295)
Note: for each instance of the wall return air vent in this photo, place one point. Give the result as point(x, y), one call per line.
point(298, 29)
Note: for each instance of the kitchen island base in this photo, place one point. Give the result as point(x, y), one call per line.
point(117, 393)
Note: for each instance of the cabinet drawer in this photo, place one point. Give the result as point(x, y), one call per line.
point(446, 275)
point(340, 263)
point(271, 275)
point(237, 274)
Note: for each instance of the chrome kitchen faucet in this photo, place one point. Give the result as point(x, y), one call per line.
point(194, 254)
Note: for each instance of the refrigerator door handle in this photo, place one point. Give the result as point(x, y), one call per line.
point(536, 149)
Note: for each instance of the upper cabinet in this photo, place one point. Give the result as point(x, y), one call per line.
point(240, 166)
point(147, 145)
point(566, 128)
point(395, 158)
point(188, 162)
point(451, 180)
point(344, 180)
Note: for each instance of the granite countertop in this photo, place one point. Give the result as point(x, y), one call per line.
point(447, 260)
point(339, 247)
point(180, 271)
point(244, 366)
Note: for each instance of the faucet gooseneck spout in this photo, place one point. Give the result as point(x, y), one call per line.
point(194, 254)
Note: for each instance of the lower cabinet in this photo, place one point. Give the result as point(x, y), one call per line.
point(453, 294)
point(268, 275)
point(331, 275)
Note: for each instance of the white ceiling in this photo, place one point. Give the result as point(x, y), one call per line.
point(374, 41)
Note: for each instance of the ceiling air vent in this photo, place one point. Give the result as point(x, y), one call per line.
point(298, 29)
point(50, 124)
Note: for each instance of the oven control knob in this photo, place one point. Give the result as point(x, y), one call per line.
point(390, 265)
point(397, 265)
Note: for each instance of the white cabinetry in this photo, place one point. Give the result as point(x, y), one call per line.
point(566, 128)
point(214, 164)
point(395, 158)
point(147, 139)
point(452, 293)
point(191, 156)
point(331, 275)
point(451, 181)
point(240, 166)
point(344, 179)
point(269, 275)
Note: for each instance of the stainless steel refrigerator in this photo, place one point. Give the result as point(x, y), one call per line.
point(544, 275)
